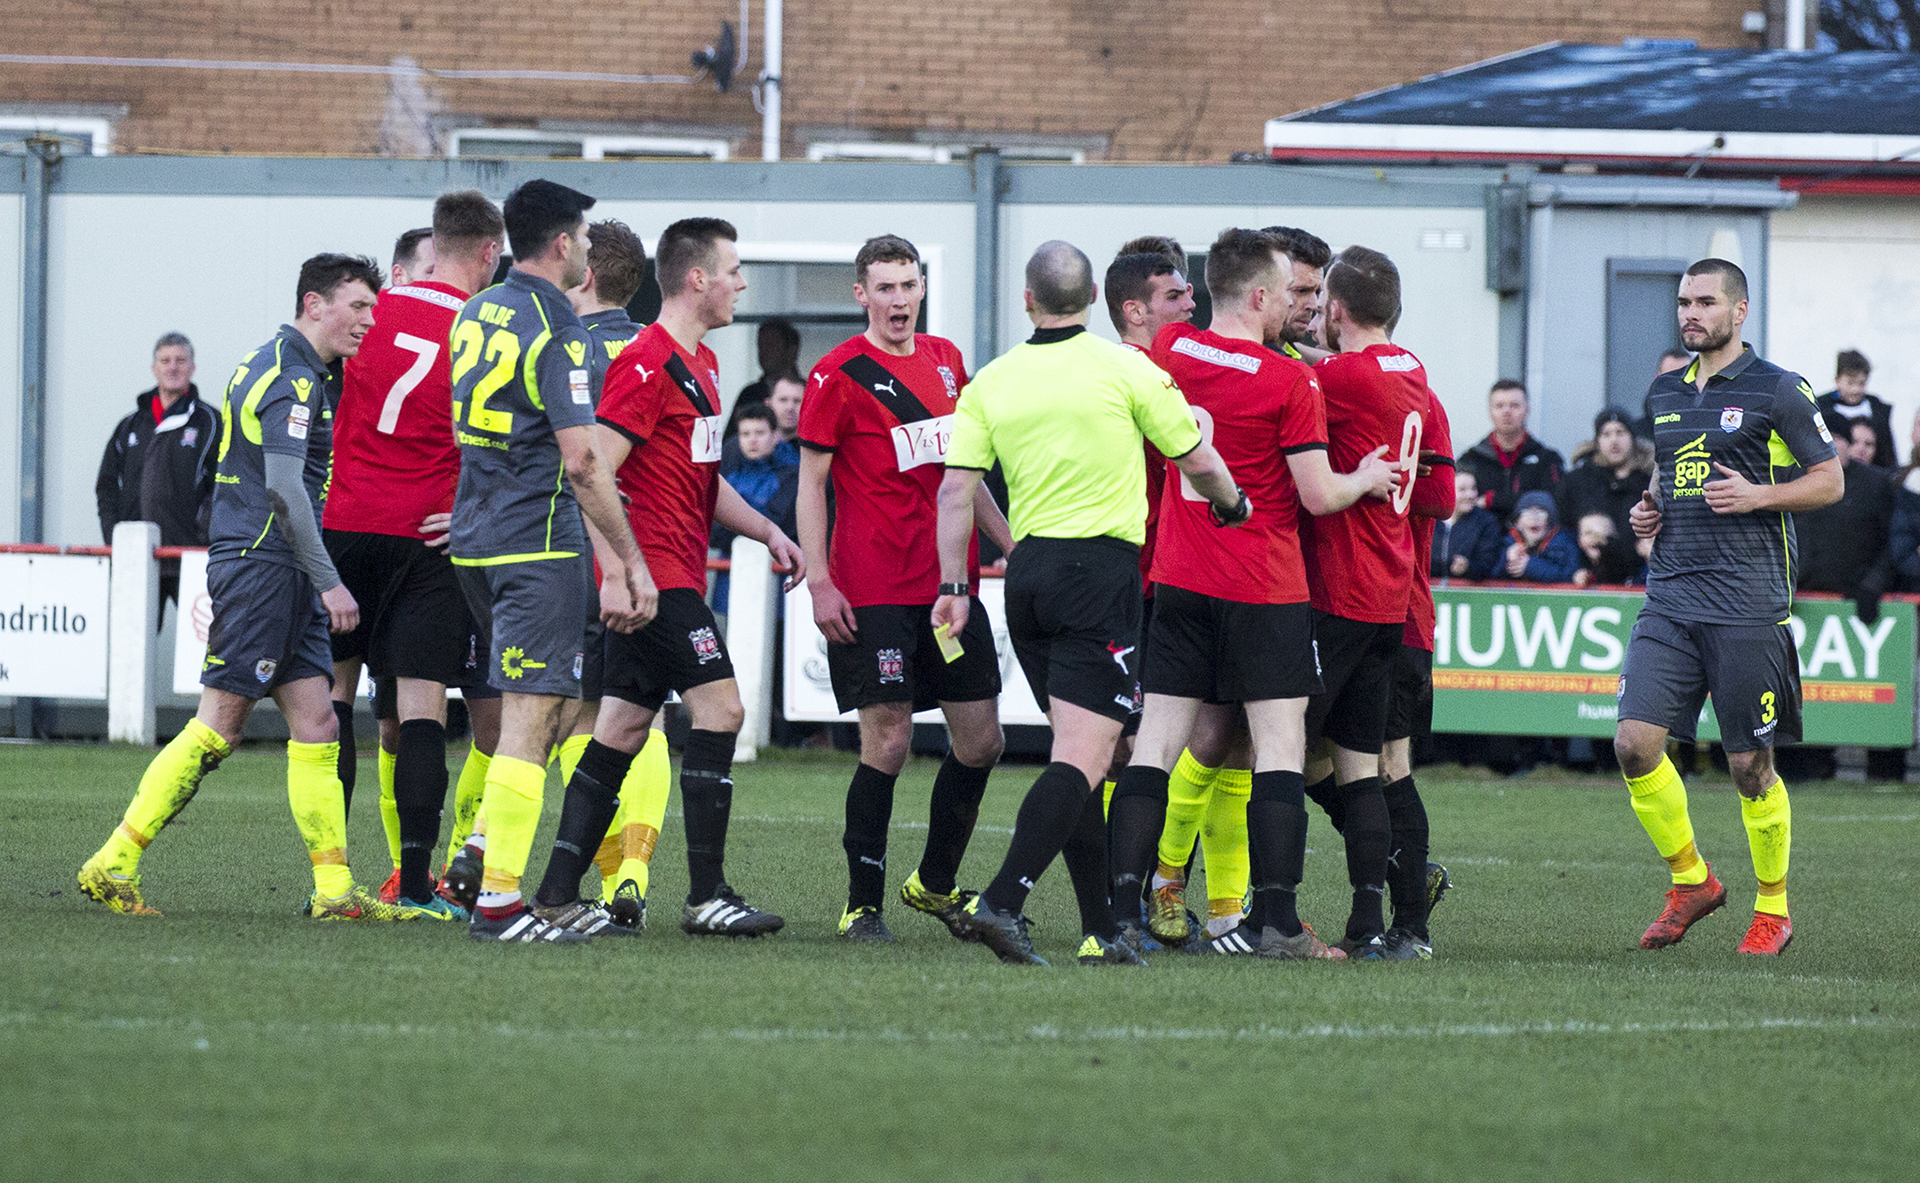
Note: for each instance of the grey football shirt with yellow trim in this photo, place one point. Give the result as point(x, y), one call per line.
point(521, 371)
point(1760, 421)
point(612, 331)
point(280, 399)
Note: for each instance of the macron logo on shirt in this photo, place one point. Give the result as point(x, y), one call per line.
point(1219, 357)
point(1399, 363)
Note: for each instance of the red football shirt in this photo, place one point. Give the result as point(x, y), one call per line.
point(887, 420)
point(1256, 408)
point(1156, 481)
point(394, 459)
point(667, 402)
point(1360, 560)
point(1433, 490)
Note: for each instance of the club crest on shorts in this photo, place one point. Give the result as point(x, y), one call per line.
point(263, 670)
point(893, 665)
point(579, 665)
point(1730, 418)
point(706, 646)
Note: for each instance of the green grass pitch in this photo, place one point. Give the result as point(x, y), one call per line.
point(232, 1039)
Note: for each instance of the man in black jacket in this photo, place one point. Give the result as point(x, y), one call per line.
point(1510, 462)
point(159, 462)
point(1843, 546)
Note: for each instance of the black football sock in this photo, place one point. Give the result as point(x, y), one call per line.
point(1327, 797)
point(1139, 812)
point(1040, 830)
point(1085, 854)
point(349, 763)
point(1276, 849)
point(593, 797)
point(1407, 872)
point(706, 794)
point(419, 794)
point(957, 790)
point(869, 809)
point(1368, 841)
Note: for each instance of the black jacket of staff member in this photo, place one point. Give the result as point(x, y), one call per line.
point(1522, 465)
point(1844, 546)
point(161, 470)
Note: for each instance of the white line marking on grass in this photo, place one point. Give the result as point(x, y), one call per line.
point(1862, 817)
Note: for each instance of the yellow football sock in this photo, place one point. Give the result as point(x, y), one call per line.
point(512, 806)
point(389, 809)
point(1189, 787)
point(643, 806)
point(1770, 837)
point(1660, 801)
point(571, 749)
point(169, 783)
point(320, 813)
point(1223, 841)
point(467, 792)
point(1106, 798)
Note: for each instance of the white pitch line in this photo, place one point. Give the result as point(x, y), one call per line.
point(1862, 817)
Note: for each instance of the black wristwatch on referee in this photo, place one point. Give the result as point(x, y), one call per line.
point(1241, 511)
point(956, 589)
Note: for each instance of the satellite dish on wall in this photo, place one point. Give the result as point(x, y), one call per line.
point(719, 58)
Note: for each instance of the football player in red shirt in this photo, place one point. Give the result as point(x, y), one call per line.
point(395, 467)
point(1232, 621)
point(660, 429)
point(1361, 567)
point(875, 420)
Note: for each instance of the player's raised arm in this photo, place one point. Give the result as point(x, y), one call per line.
point(1324, 491)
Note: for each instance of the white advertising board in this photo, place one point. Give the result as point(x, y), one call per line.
point(808, 693)
point(53, 626)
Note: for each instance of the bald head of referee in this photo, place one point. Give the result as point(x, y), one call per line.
point(1063, 414)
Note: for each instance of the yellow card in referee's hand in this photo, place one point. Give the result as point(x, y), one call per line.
point(949, 644)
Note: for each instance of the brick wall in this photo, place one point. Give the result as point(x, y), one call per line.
point(1150, 80)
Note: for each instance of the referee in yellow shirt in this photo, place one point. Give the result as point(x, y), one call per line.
point(1064, 414)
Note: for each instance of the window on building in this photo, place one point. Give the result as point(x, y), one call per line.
point(527, 143)
point(80, 134)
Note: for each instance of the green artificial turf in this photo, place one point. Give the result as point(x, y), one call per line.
point(233, 1039)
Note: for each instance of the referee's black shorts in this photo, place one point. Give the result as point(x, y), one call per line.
point(413, 619)
point(1073, 614)
point(1356, 663)
point(1221, 651)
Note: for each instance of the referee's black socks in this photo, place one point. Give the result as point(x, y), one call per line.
point(1368, 841)
point(1139, 812)
point(957, 790)
point(1327, 797)
point(1276, 849)
point(593, 797)
point(349, 763)
point(419, 794)
point(1086, 857)
point(869, 809)
point(1040, 831)
point(1407, 872)
point(706, 793)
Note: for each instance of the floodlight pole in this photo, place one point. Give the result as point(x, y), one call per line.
point(770, 86)
point(41, 163)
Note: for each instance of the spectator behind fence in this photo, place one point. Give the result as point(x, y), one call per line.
point(778, 344)
point(1903, 544)
point(762, 479)
point(1844, 546)
point(1849, 397)
point(1609, 473)
point(159, 463)
point(1673, 359)
point(1605, 554)
point(1509, 462)
point(788, 390)
point(1537, 548)
point(1467, 545)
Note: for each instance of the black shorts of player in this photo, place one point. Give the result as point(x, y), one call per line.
point(1073, 614)
point(1222, 651)
point(894, 658)
point(527, 616)
point(1356, 662)
point(269, 628)
point(680, 648)
point(593, 668)
point(1751, 670)
point(1131, 727)
point(413, 619)
point(1410, 694)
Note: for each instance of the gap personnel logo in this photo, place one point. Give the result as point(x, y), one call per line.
point(263, 670)
point(893, 665)
point(514, 663)
point(946, 376)
point(1692, 465)
point(706, 646)
point(1730, 418)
